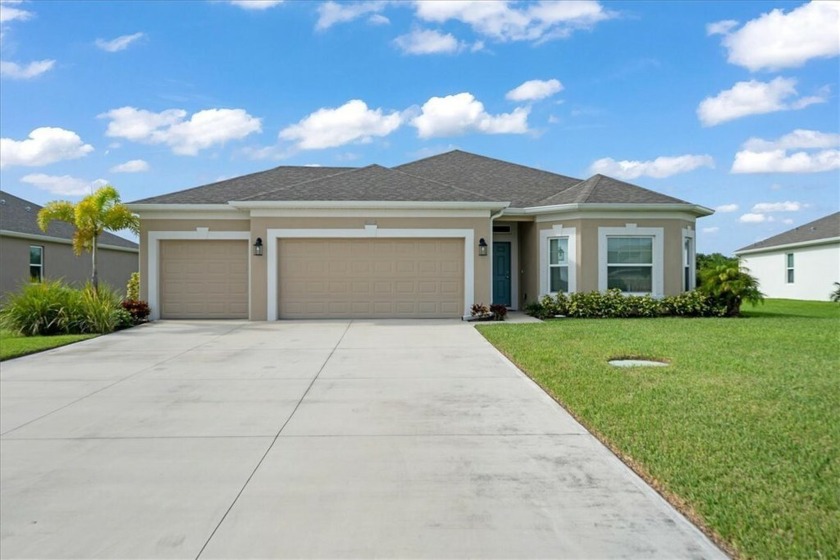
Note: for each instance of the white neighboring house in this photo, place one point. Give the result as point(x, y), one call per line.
point(801, 263)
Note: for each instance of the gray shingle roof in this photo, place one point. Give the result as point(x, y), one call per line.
point(20, 216)
point(602, 189)
point(825, 228)
point(499, 180)
point(240, 188)
point(370, 183)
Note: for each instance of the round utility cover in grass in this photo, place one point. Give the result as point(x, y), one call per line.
point(636, 363)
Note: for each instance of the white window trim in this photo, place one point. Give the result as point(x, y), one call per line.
point(688, 233)
point(557, 231)
point(369, 231)
point(39, 265)
point(200, 233)
point(789, 269)
point(631, 230)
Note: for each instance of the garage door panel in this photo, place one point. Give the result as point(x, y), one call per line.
point(205, 279)
point(370, 278)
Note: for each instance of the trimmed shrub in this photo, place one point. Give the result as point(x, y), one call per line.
point(613, 304)
point(499, 311)
point(479, 310)
point(40, 308)
point(138, 310)
point(132, 289)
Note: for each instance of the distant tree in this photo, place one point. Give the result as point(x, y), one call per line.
point(730, 286)
point(95, 213)
point(835, 295)
point(712, 260)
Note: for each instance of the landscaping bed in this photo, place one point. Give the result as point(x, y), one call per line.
point(740, 431)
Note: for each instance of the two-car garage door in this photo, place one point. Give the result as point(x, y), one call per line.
point(316, 278)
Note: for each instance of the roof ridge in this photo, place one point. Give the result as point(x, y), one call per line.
point(461, 189)
point(456, 150)
point(589, 186)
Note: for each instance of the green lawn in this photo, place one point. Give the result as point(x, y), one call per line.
point(742, 431)
point(13, 345)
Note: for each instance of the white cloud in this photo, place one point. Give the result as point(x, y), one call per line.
point(799, 138)
point(721, 27)
point(724, 208)
point(502, 21)
point(785, 40)
point(352, 122)
point(534, 90)
point(378, 19)
point(256, 4)
point(771, 156)
point(427, 41)
point(754, 98)
point(713, 229)
point(331, 13)
point(663, 166)
point(787, 221)
point(45, 145)
point(186, 137)
point(8, 13)
point(24, 72)
point(63, 184)
point(462, 113)
point(120, 43)
point(787, 206)
point(752, 218)
point(133, 166)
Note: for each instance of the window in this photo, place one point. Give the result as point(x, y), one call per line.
point(558, 264)
point(789, 267)
point(36, 263)
point(630, 264)
point(687, 258)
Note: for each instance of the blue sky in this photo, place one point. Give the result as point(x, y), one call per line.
point(732, 105)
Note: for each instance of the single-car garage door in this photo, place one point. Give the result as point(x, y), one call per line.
point(368, 278)
point(204, 279)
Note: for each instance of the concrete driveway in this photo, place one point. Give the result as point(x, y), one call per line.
point(309, 439)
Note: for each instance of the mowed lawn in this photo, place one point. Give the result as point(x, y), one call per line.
point(14, 345)
point(742, 431)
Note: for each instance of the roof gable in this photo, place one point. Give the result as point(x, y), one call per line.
point(600, 189)
point(21, 216)
point(827, 227)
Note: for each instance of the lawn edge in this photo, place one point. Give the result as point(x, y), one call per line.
point(39, 350)
point(680, 504)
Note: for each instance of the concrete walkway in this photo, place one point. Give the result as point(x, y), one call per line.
point(308, 439)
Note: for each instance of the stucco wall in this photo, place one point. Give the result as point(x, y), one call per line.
point(815, 271)
point(114, 267)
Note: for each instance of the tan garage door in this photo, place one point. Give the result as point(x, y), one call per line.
point(204, 279)
point(367, 278)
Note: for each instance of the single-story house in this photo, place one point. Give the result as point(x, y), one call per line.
point(28, 253)
point(425, 239)
point(801, 263)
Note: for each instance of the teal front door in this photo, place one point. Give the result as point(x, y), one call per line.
point(501, 273)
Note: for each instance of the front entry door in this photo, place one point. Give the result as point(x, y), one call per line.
point(501, 273)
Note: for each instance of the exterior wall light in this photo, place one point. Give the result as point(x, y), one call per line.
point(258, 246)
point(482, 248)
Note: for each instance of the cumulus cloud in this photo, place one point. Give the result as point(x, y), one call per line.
point(721, 27)
point(255, 4)
point(24, 72)
point(45, 145)
point(787, 206)
point(772, 156)
point(185, 137)
point(713, 229)
point(120, 43)
point(462, 113)
point(754, 98)
point(10, 13)
point(783, 40)
point(378, 19)
point(64, 185)
point(428, 41)
point(534, 90)
point(331, 127)
point(331, 13)
point(503, 21)
point(133, 166)
point(660, 167)
point(725, 208)
point(754, 218)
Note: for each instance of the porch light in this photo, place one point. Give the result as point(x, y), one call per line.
point(258, 247)
point(482, 248)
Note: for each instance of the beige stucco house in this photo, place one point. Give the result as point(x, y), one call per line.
point(424, 239)
point(26, 252)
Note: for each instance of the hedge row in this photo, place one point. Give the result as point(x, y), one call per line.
point(613, 304)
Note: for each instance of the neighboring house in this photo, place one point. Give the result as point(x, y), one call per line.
point(802, 263)
point(424, 239)
point(27, 253)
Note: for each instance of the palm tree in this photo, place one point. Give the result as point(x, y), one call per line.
point(90, 216)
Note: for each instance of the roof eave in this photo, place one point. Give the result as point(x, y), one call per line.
point(695, 209)
point(390, 204)
point(811, 243)
point(139, 207)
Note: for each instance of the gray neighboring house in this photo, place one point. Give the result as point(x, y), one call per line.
point(800, 263)
point(425, 239)
point(27, 252)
